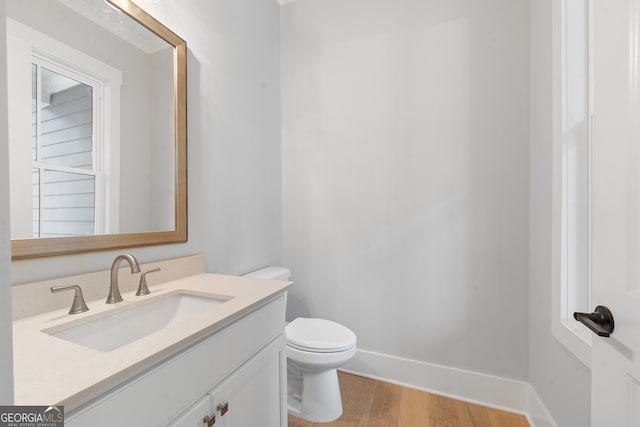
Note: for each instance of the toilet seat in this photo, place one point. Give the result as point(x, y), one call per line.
point(313, 361)
point(319, 336)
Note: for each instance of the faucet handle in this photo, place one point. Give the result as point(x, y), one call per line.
point(143, 289)
point(78, 306)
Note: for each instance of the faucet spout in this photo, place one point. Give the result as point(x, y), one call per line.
point(114, 290)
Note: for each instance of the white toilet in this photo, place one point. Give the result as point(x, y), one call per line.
point(315, 349)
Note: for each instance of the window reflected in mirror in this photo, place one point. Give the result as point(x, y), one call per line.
point(97, 127)
point(64, 173)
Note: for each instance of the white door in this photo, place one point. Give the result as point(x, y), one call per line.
point(252, 395)
point(196, 415)
point(615, 384)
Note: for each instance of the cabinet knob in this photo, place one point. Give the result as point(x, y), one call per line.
point(223, 408)
point(209, 420)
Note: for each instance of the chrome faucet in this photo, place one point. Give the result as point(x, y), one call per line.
point(114, 291)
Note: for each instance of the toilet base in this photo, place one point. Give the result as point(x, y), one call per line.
point(313, 396)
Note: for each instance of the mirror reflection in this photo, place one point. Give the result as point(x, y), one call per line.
point(91, 121)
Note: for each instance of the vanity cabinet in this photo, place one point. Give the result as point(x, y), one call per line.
point(248, 397)
point(237, 374)
point(196, 415)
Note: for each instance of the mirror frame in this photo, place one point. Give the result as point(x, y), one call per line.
point(54, 246)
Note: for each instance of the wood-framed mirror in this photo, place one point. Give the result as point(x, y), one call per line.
point(97, 128)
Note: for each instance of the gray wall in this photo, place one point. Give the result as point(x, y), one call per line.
point(6, 364)
point(234, 141)
point(560, 379)
point(405, 175)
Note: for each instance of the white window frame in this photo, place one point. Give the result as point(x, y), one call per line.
point(575, 338)
point(98, 144)
point(25, 42)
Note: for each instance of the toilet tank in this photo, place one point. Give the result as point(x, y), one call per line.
point(271, 273)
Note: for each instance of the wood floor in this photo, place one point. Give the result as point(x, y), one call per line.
point(368, 402)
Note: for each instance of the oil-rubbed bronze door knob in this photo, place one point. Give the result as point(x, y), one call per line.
point(600, 321)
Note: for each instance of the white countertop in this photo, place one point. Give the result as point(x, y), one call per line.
point(50, 370)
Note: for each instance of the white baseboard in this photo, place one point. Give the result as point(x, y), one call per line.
point(488, 390)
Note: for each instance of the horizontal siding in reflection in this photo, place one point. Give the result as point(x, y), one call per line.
point(68, 203)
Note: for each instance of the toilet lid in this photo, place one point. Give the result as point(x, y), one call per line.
point(319, 335)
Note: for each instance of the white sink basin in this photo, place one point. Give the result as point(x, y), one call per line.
point(114, 331)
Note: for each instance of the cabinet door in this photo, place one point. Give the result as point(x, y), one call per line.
point(195, 415)
point(252, 396)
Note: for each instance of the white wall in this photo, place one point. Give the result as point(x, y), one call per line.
point(234, 128)
point(6, 357)
point(234, 141)
point(405, 175)
point(560, 379)
point(162, 156)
